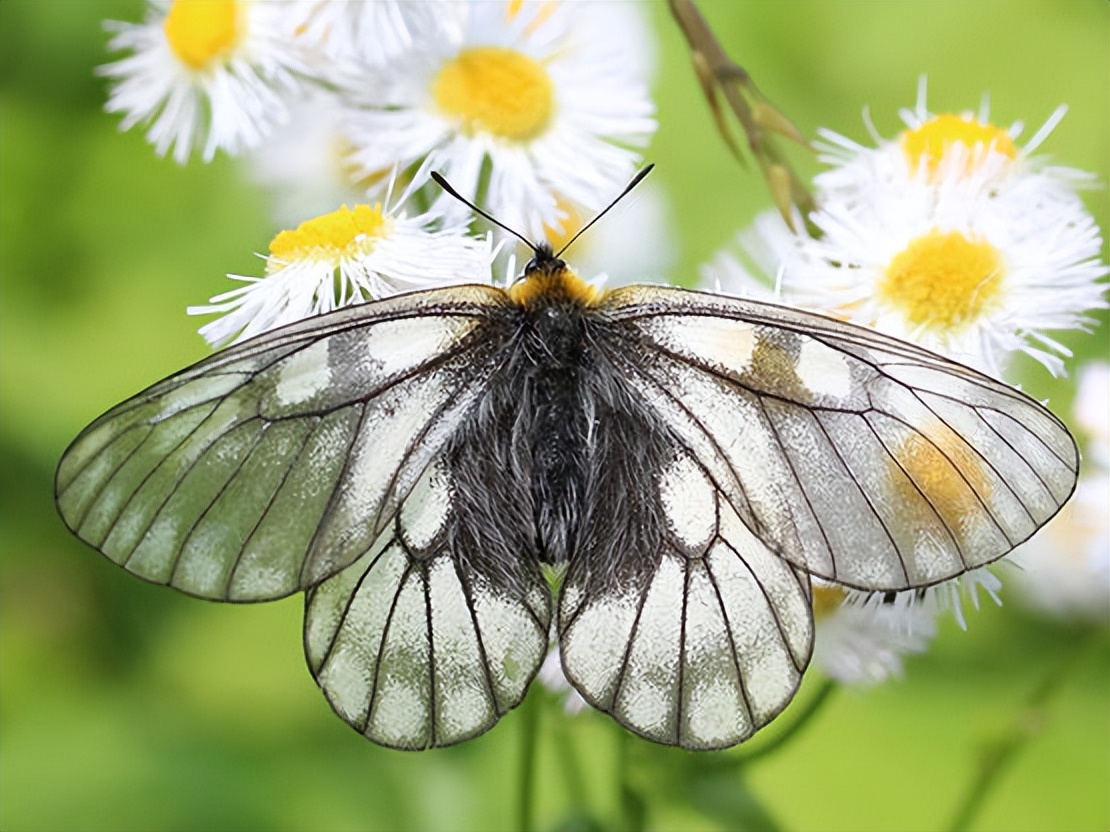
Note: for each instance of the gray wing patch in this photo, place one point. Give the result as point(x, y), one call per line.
point(271, 465)
point(411, 644)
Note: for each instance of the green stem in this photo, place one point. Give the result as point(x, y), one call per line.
point(572, 772)
point(804, 717)
point(631, 804)
point(1029, 721)
point(529, 727)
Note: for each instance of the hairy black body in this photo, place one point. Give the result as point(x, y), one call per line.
point(555, 463)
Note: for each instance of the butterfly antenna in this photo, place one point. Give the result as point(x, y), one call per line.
point(443, 183)
point(636, 180)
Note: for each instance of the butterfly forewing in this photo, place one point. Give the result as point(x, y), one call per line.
point(858, 458)
point(272, 465)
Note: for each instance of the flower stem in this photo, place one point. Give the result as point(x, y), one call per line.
point(529, 727)
point(804, 717)
point(1027, 723)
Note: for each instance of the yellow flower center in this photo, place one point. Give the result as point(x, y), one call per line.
point(943, 280)
point(496, 90)
point(827, 599)
point(201, 32)
point(347, 232)
point(932, 139)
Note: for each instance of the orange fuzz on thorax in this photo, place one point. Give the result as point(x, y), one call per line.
point(552, 280)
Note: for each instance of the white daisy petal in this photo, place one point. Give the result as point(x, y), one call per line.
point(861, 640)
point(358, 31)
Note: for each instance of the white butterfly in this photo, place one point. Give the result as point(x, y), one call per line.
point(688, 459)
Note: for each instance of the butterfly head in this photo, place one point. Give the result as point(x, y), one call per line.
point(548, 278)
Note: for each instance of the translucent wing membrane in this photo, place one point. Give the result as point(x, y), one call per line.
point(858, 458)
point(711, 646)
point(271, 466)
point(413, 645)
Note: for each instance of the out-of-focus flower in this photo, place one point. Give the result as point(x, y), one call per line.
point(347, 257)
point(1065, 568)
point(304, 163)
point(213, 73)
point(633, 243)
point(552, 676)
point(344, 31)
point(527, 106)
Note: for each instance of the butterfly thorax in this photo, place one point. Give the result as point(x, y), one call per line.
point(547, 279)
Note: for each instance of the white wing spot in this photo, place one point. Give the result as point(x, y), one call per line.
point(425, 510)
point(595, 643)
point(724, 343)
point(689, 502)
point(823, 370)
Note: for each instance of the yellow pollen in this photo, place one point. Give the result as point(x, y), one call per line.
point(826, 599)
point(943, 281)
point(496, 90)
point(347, 232)
point(932, 139)
point(201, 32)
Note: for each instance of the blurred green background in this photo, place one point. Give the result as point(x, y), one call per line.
point(128, 706)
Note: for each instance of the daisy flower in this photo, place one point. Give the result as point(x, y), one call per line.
point(341, 259)
point(861, 638)
point(949, 236)
point(975, 274)
point(937, 148)
point(211, 73)
point(527, 104)
point(1065, 570)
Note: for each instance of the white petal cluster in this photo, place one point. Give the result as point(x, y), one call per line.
point(881, 205)
point(570, 133)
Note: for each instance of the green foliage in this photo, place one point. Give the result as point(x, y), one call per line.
point(127, 706)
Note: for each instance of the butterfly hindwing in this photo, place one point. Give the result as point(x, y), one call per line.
point(271, 465)
point(417, 644)
point(710, 643)
point(858, 458)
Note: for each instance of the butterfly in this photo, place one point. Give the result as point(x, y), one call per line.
point(650, 474)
